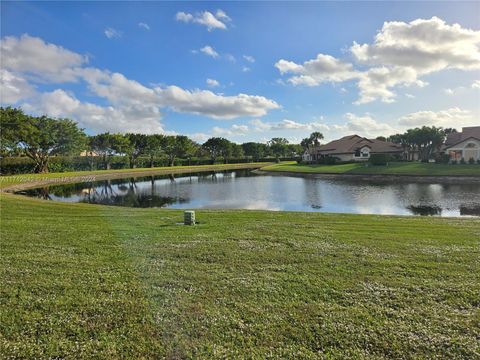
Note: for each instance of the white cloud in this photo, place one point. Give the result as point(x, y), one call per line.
point(425, 45)
point(205, 18)
point(400, 54)
point(287, 124)
point(209, 51)
point(324, 68)
point(476, 84)
point(112, 33)
point(220, 14)
point(13, 88)
point(410, 96)
point(144, 25)
point(448, 91)
point(212, 83)
point(245, 69)
point(453, 117)
point(35, 57)
point(234, 130)
point(249, 58)
point(128, 100)
point(127, 118)
point(364, 125)
point(207, 103)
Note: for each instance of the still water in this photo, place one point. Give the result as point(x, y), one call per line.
point(245, 190)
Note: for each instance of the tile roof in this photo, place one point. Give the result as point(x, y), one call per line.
point(467, 132)
point(351, 143)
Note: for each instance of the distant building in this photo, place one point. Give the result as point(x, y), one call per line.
point(353, 147)
point(463, 145)
point(89, 153)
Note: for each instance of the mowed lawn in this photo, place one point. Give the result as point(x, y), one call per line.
point(86, 281)
point(395, 168)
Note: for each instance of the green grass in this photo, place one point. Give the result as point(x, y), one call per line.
point(398, 168)
point(85, 281)
point(6, 181)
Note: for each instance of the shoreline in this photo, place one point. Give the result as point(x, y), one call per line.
point(30, 181)
point(445, 179)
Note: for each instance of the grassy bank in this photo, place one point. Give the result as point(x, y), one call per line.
point(399, 168)
point(85, 281)
point(65, 177)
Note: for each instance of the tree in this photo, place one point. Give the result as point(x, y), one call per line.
point(315, 138)
point(138, 146)
point(217, 147)
point(254, 150)
point(40, 138)
point(177, 147)
point(312, 140)
point(154, 146)
point(107, 145)
point(306, 143)
point(278, 147)
point(428, 140)
point(10, 123)
point(381, 138)
point(237, 151)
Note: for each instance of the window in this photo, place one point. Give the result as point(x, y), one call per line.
point(471, 145)
point(357, 153)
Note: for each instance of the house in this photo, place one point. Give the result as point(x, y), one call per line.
point(463, 145)
point(353, 148)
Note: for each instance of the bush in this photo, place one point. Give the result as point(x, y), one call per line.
point(462, 161)
point(478, 161)
point(471, 161)
point(442, 158)
point(454, 162)
point(328, 160)
point(379, 159)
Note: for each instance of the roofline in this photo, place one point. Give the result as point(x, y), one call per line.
point(470, 137)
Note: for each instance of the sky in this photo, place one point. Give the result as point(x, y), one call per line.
point(247, 71)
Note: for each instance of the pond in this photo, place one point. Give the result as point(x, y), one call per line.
point(242, 189)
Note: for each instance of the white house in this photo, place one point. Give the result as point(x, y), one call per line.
point(464, 145)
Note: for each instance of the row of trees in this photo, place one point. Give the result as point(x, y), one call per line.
point(424, 141)
point(40, 138)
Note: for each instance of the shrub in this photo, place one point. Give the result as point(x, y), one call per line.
point(471, 161)
point(379, 159)
point(328, 160)
point(454, 162)
point(462, 161)
point(478, 161)
point(442, 158)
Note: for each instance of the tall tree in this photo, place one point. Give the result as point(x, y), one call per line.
point(154, 146)
point(278, 146)
point(254, 150)
point(217, 147)
point(40, 138)
point(138, 146)
point(179, 146)
point(315, 138)
point(107, 145)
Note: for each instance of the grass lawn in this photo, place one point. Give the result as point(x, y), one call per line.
point(86, 281)
point(398, 168)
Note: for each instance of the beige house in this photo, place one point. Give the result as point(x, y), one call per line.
point(463, 145)
point(353, 147)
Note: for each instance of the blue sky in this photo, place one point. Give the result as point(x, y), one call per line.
point(124, 66)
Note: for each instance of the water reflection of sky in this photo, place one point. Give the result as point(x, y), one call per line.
point(243, 190)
